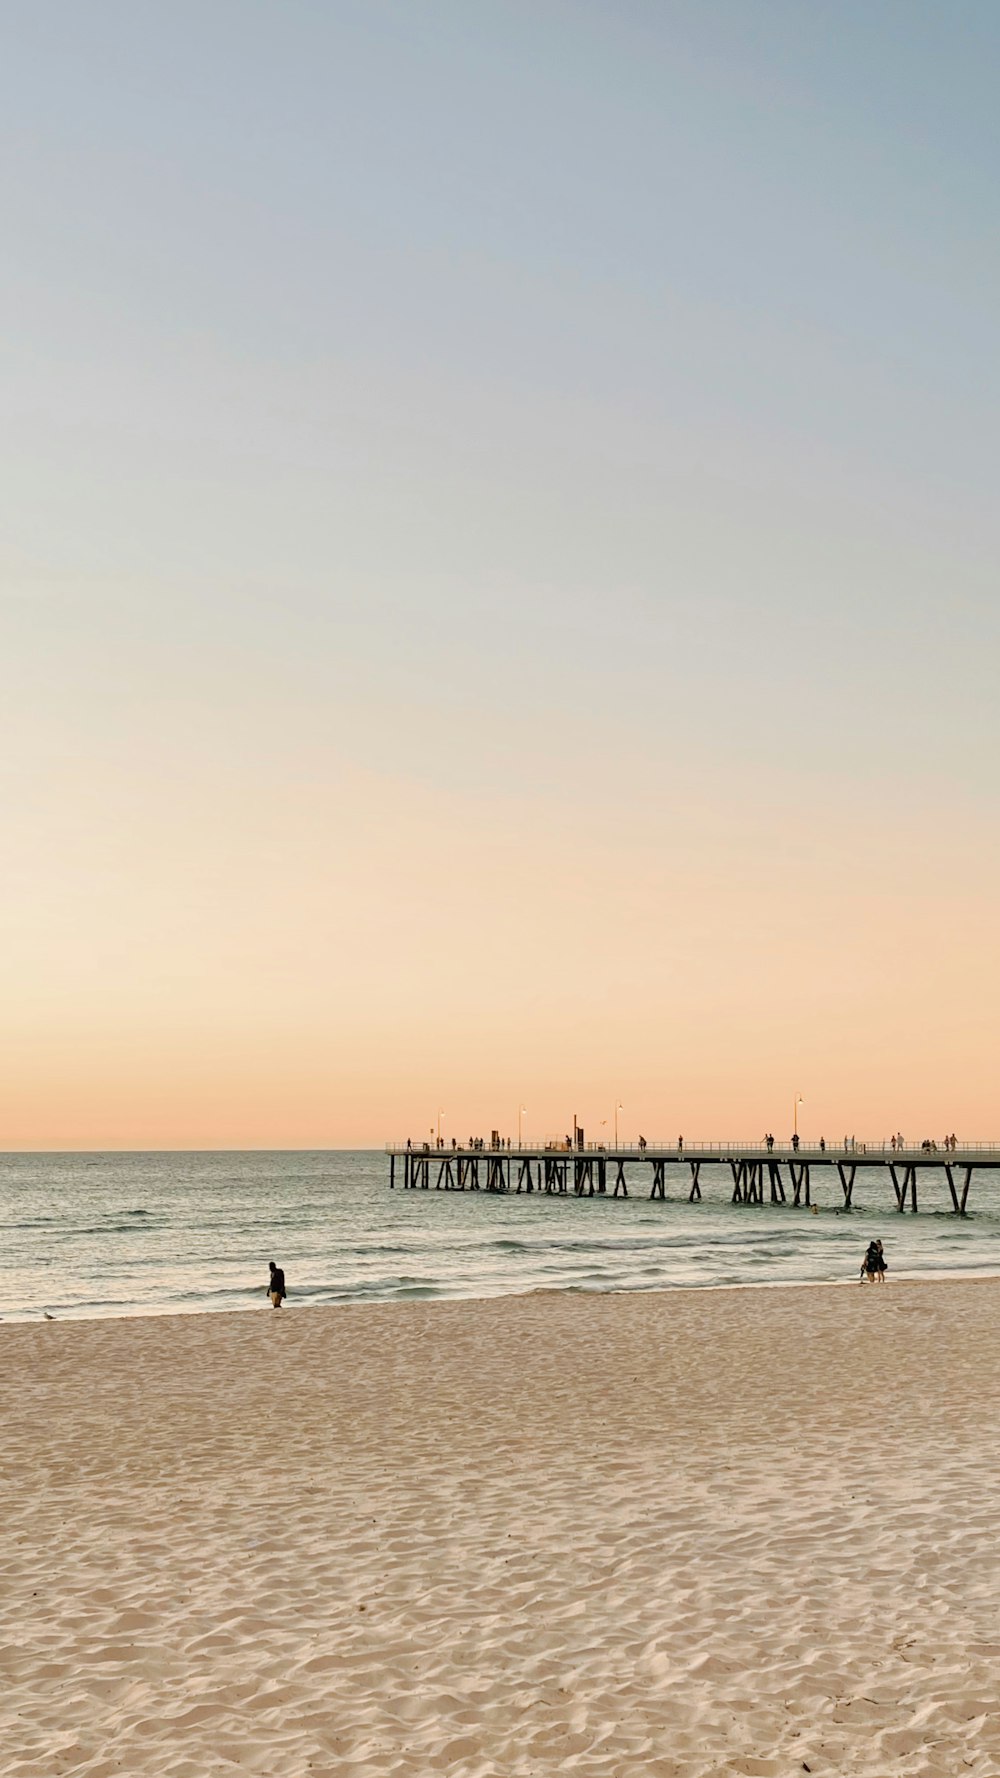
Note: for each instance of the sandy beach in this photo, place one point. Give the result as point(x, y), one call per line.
point(676, 1534)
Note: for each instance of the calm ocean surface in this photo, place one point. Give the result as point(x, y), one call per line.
point(136, 1234)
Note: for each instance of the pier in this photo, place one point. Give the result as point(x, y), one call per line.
point(781, 1174)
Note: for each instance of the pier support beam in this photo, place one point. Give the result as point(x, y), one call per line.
point(556, 1169)
point(958, 1199)
point(909, 1185)
point(847, 1173)
point(621, 1189)
point(801, 1182)
point(659, 1188)
point(695, 1192)
point(748, 1181)
point(495, 1173)
point(583, 1175)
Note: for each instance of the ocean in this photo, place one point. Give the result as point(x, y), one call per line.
point(147, 1234)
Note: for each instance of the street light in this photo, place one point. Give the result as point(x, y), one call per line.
point(520, 1113)
point(797, 1101)
point(619, 1107)
point(440, 1116)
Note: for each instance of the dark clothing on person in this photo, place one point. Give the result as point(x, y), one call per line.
point(276, 1286)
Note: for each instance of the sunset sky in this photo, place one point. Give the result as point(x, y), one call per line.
point(499, 575)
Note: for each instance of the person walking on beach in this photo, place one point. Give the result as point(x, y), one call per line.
point(276, 1285)
point(873, 1266)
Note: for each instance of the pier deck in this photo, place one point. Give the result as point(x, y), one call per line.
point(779, 1175)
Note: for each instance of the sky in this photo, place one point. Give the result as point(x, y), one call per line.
point(498, 569)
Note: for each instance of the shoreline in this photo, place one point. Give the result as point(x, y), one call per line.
point(548, 1292)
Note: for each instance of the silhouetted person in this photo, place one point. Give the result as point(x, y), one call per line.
point(769, 1139)
point(873, 1266)
point(822, 1145)
point(276, 1285)
point(795, 1143)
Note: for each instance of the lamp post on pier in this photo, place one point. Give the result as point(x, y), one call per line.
point(520, 1113)
point(796, 1102)
point(618, 1107)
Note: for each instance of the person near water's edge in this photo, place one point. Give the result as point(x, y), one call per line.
point(276, 1285)
point(873, 1266)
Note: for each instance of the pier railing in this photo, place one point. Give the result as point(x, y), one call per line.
point(853, 1147)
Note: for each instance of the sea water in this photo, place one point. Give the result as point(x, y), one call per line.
point(139, 1234)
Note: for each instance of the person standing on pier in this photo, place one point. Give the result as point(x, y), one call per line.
point(769, 1141)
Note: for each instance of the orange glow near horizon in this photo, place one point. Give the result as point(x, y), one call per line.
point(334, 967)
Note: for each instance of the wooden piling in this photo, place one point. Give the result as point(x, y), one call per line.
point(847, 1181)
